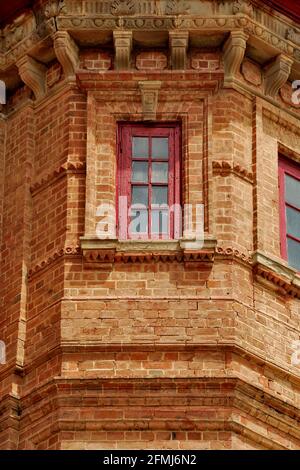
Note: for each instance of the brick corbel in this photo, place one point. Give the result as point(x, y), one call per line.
point(277, 74)
point(33, 74)
point(123, 47)
point(66, 52)
point(179, 41)
point(149, 90)
point(233, 54)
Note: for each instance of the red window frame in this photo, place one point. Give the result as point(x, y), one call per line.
point(126, 133)
point(286, 167)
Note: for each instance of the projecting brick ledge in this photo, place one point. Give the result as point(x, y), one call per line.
point(276, 274)
point(98, 253)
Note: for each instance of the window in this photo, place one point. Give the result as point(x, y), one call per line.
point(289, 183)
point(149, 181)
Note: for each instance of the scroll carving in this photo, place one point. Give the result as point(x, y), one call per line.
point(54, 8)
point(277, 74)
point(66, 52)
point(33, 74)
point(234, 52)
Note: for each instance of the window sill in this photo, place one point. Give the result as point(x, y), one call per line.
point(276, 274)
point(101, 253)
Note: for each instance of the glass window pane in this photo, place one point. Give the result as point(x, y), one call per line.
point(140, 172)
point(139, 222)
point(293, 222)
point(159, 195)
point(160, 148)
point(292, 189)
point(294, 253)
point(160, 222)
point(140, 195)
point(160, 172)
point(140, 147)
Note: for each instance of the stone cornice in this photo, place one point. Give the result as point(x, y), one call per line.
point(28, 30)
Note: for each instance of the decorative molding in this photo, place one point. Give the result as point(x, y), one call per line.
point(274, 273)
point(104, 257)
point(54, 8)
point(101, 253)
point(33, 74)
point(123, 7)
point(179, 44)
point(63, 170)
point(224, 168)
point(66, 52)
point(233, 253)
point(68, 251)
point(293, 36)
point(277, 74)
point(20, 28)
point(233, 54)
point(74, 16)
point(123, 46)
point(177, 7)
point(149, 90)
point(243, 7)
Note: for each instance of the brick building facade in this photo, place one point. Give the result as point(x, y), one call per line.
point(123, 343)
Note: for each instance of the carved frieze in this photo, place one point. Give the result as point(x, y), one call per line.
point(54, 8)
point(243, 7)
point(123, 7)
point(177, 7)
point(20, 28)
point(150, 14)
point(293, 36)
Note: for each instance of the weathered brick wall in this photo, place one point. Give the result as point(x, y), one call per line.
point(145, 354)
